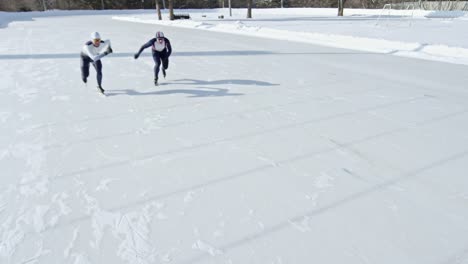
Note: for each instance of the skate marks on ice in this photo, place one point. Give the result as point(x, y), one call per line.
point(129, 230)
point(301, 222)
point(104, 184)
point(21, 221)
point(23, 225)
point(207, 248)
point(241, 136)
point(321, 184)
point(159, 109)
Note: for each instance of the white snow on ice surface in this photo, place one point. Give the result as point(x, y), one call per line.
point(256, 148)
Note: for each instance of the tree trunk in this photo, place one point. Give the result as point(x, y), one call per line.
point(249, 8)
point(158, 10)
point(341, 7)
point(44, 6)
point(171, 9)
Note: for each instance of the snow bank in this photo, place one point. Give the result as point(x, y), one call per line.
point(420, 50)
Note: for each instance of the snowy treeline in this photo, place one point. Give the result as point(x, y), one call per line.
point(31, 5)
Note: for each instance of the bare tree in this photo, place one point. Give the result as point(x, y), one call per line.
point(341, 7)
point(43, 2)
point(249, 8)
point(171, 9)
point(158, 10)
point(7, 5)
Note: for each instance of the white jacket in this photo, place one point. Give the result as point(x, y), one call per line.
point(96, 53)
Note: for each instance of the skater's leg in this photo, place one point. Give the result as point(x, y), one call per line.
point(84, 63)
point(157, 64)
point(165, 65)
point(98, 66)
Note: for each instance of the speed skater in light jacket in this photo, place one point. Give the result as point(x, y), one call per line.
point(92, 53)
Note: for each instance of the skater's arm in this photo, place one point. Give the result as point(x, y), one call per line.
point(107, 46)
point(103, 50)
point(98, 57)
point(145, 46)
point(169, 47)
point(96, 54)
point(88, 51)
point(107, 43)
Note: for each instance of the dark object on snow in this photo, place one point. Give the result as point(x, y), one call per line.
point(221, 17)
point(181, 16)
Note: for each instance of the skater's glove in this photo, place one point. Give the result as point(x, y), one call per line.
point(107, 52)
point(136, 56)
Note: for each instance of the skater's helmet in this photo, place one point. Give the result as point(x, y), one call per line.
point(159, 34)
point(95, 35)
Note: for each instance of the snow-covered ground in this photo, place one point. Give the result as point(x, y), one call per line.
point(253, 150)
